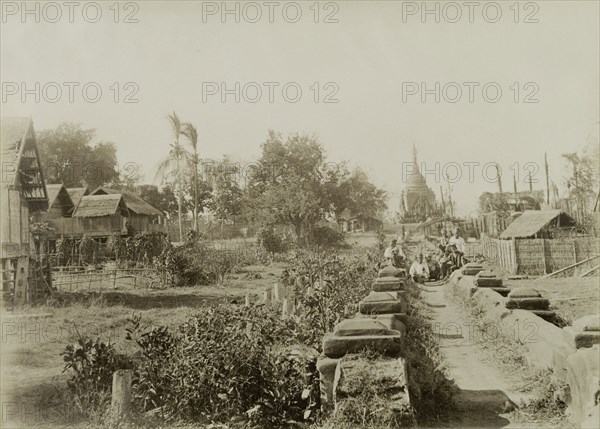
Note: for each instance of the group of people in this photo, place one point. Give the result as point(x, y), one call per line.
point(439, 266)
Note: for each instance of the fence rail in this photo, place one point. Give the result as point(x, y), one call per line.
point(539, 256)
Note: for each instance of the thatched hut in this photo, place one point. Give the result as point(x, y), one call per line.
point(541, 224)
point(142, 216)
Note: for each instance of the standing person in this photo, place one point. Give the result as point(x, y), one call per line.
point(419, 271)
point(389, 252)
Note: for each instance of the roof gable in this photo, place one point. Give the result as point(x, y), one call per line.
point(133, 202)
point(21, 164)
point(99, 205)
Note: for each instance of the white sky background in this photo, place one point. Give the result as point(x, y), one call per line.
point(369, 53)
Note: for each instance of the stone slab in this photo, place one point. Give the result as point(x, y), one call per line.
point(383, 285)
point(336, 347)
point(583, 339)
point(391, 271)
point(587, 323)
point(487, 282)
point(400, 316)
point(528, 303)
point(380, 296)
point(390, 376)
point(382, 307)
point(486, 274)
point(393, 322)
point(504, 291)
point(354, 327)
point(524, 292)
point(547, 315)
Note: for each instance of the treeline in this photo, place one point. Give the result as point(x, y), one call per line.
point(291, 186)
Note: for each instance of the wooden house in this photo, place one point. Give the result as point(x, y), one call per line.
point(94, 216)
point(349, 222)
point(142, 216)
point(22, 193)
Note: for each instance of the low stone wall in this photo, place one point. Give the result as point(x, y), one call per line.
point(571, 353)
point(378, 327)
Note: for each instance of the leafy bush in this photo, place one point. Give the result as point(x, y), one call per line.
point(325, 236)
point(93, 363)
point(271, 240)
point(239, 358)
point(338, 284)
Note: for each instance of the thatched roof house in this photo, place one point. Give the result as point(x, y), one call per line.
point(539, 224)
point(134, 203)
point(101, 205)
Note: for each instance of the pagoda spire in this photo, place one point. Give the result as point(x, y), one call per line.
point(414, 153)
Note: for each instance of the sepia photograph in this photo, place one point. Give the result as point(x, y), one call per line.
point(310, 214)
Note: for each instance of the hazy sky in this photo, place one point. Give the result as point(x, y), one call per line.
point(369, 57)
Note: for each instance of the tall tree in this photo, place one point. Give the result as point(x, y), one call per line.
point(174, 165)
point(191, 133)
point(227, 196)
point(582, 182)
point(357, 194)
point(69, 156)
point(291, 183)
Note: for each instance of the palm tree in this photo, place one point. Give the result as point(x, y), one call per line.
point(172, 165)
point(191, 133)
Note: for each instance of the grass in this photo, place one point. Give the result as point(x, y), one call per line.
point(547, 401)
point(31, 345)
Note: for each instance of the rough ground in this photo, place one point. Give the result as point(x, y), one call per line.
point(487, 396)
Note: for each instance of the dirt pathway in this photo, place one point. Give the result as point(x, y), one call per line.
point(485, 399)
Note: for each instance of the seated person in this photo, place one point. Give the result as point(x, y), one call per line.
point(419, 271)
point(394, 254)
point(434, 267)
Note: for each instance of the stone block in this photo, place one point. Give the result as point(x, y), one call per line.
point(528, 303)
point(487, 282)
point(354, 327)
point(524, 292)
point(587, 323)
point(391, 271)
point(488, 274)
point(393, 322)
point(329, 375)
point(583, 377)
point(400, 316)
point(547, 315)
point(382, 303)
point(336, 347)
point(504, 291)
point(471, 269)
point(387, 379)
point(384, 284)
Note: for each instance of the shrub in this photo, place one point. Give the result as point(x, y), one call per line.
point(239, 358)
point(93, 363)
point(325, 236)
point(271, 240)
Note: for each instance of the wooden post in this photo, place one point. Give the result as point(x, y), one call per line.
point(121, 396)
point(543, 240)
point(284, 309)
point(247, 300)
point(276, 296)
